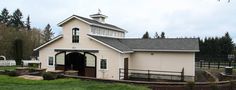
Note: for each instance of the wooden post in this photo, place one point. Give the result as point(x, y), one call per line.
point(119, 73)
point(209, 64)
point(148, 75)
point(22, 64)
point(40, 65)
point(201, 64)
point(218, 65)
point(234, 64)
point(182, 75)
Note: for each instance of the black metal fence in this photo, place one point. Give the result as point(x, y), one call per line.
point(215, 64)
point(152, 75)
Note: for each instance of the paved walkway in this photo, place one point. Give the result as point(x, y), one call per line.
point(30, 77)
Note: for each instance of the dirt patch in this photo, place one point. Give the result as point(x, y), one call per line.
point(203, 76)
point(30, 77)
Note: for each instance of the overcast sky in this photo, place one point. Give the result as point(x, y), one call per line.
point(177, 18)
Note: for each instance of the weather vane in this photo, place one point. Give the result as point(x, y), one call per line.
point(99, 11)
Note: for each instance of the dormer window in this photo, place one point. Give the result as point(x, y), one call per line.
point(75, 35)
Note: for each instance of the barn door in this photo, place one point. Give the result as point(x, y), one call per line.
point(126, 68)
point(90, 69)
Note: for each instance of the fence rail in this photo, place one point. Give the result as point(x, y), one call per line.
point(148, 75)
point(13, 62)
point(214, 64)
point(7, 62)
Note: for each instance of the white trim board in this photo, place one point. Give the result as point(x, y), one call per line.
point(92, 24)
point(51, 41)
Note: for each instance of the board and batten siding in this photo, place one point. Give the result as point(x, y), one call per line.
point(106, 32)
point(164, 61)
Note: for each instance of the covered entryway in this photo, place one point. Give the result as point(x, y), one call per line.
point(83, 61)
point(75, 61)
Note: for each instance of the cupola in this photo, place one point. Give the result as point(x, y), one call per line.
point(99, 17)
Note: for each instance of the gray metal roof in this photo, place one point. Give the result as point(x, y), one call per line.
point(102, 24)
point(137, 44)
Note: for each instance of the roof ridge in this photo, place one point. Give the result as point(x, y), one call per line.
point(97, 21)
point(157, 38)
point(164, 44)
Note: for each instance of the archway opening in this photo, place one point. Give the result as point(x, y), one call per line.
point(75, 61)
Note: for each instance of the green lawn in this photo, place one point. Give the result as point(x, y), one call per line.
point(7, 67)
point(14, 83)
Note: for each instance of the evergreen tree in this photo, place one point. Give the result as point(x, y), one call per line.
point(215, 48)
point(18, 46)
point(15, 44)
point(228, 45)
point(146, 36)
point(47, 33)
point(16, 19)
point(4, 17)
point(28, 23)
point(162, 34)
point(156, 35)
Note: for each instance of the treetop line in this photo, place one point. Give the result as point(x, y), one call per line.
point(29, 38)
point(18, 38)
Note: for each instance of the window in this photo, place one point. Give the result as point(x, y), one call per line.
point(90, 60)
point(106, 32)
point(103, 64)
point(102, 32)
point(50, 61)
point(93, 30)
point(60, 59)
point(75, 35)
point(110, 33)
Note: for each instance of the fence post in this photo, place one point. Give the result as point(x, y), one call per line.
point(40, 65)
point(209, 64)
point(22, 64)
point(119, 73)
point(218, 65)
point(148, 75)
point(182, 75)
point(234, 64)
point(201, 63)
point(229, 63)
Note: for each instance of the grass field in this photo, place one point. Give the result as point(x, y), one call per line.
point(7, 67)
point(14, 83)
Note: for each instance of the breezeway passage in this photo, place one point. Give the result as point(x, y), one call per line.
point(78, 60)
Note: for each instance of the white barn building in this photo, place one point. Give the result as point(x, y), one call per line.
point(95, 48)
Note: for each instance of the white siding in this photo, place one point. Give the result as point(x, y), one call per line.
point(164, 61)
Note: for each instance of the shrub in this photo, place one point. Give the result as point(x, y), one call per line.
point(60, 76)
point(232, 84)
point(12, 73)
point(49, 76)
point(190, 85)
point(214, 86)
